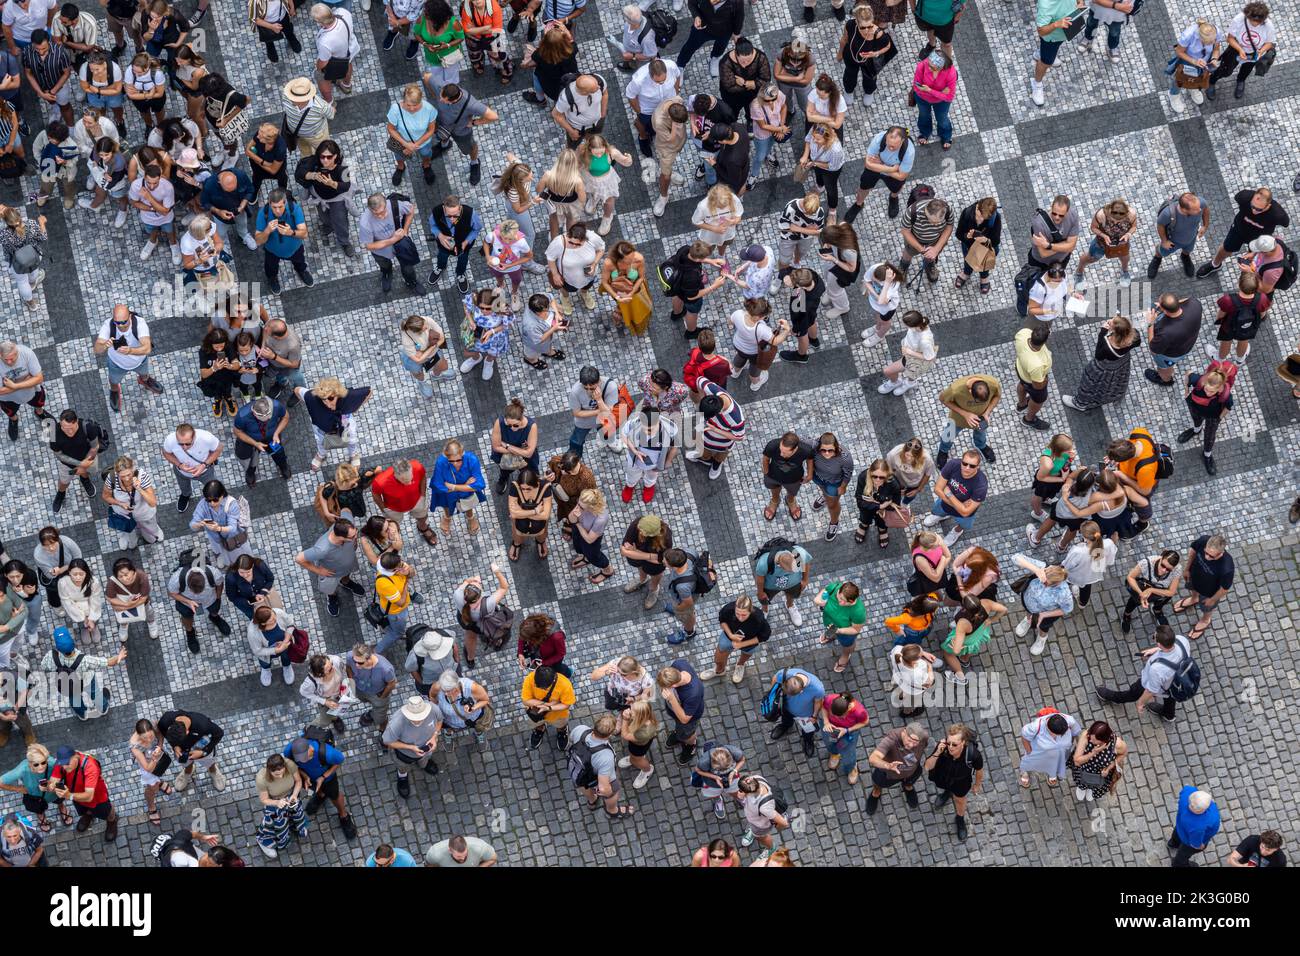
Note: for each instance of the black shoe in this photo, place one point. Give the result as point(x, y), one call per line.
point(892, 210)
point(390, 39)
point(305, 278)
point(313, 805)
point(1140, 527)
point(1189, 270)
point(295, 46)
point(925, 51)
point(809, 748)
point(852, 212)
point(1186, 435)
point(250, 477)
point(396, 178)
point(1153, 267)
point(513, 25)
point(415, 288)
point(404, 787)
point(427, 171)
point(532, 96)
point(779, 731)
point(502, 480)
point(940, 460)
point(13, 429)
point(911, 798)
point(814, 342)
point(699, 171)
point(274, 285)
point(412, 49)
point(192, 642)
point(88, 487)
point(1152, 376)
point(873, 803)
point(1036, 423)
point(332, 605)
point(536, 738)
point(1239, 90)
point(532, 30)
point(475, 173)
point(431, 768)
point(61, 496)
point(961, 828)
point(182, 503)
point(943, 797)
point(790, 355)
point(434, 276)
point(1126, 623)
point(367, 720)
point(691, 334)
point(115, 53)
point(1211, 92)
point(1210, 467)
point(462, 283)
point(220, 624)
point(686, 756)
point(562, 739)
point(1208, 268)
point(385, 283)
point(838, 12)
point(352, 586)
point(808, 14)
point(349, 828)
point(988, 453)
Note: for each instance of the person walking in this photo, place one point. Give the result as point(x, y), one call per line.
point(897, 760)
point(1095, 762)
point(1258, 214)
point(126, 343)
point(1209, 399)
point(1052, 18)
point(934, 86)
point(956, 768)
point(1195, 825)
point(970, 402)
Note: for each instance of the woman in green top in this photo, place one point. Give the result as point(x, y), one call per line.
point(843, 617)
point(443, 39)
point(1055, 462)
point(937, 18)
point(1052, 17)
point(969, 634)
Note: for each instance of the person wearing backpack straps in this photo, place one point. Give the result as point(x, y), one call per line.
point(956, 768)
point(193, 587)
point(640, 43)
point(1179, 223)
point(79, 678)
point(225, 520)
point(547, 696)
point(763, 812)
point(1160, 665)
point(680, 593)
point(1240, 315)
point(1272, 262)
point(1209, 398)
point(593, 768)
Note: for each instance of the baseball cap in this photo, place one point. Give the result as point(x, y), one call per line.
point(63, 755)
point(301, 750)
point(754, 253)
point(63, 641)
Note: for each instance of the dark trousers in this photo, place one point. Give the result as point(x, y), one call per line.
point(271, 263)
point(697, 39)
point(829, 179)
point(1134, 602)
point(246, 452)
point(286, 33)
point(462, 259)
point(260, 176)
point(739, 103)
point(851, 71)
point(1227, 63)
point(1202, 420)
point(1182, 852)
point(1113, 31)
point(646, 145)
point(1133, 693)
point(386, 270)
point(592, 551)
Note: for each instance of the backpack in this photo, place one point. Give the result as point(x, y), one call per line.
point(776, 796)
point(164, 846)
point(773, 701)
point(570, 78)
point(1163, 457)
point(1290, 268)
point(921, 192)
point(320, 737)
point(188, 561)
point(1187, 677)
point(1229, 370)
point(495, 626)
point(772, 546)
point(1025, 279)
point(670, 271)
point(665, 27)
point(704, 575)
point(580, 753)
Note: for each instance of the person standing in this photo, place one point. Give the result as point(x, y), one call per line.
point(126, 343)
point(683, 693)
point(79, 777)
point(1251, 40)
point(278, 787)
point(307, 116)
point(960, 490)
point(412, 737)
point(76, 444)
point(332, 408)
point(403, 489)
point(547, 696)
point(461, 851)
point(842, 721)
point(787, 464)
point(1210, 574)
point(802, 694)
point(1047, 740)
point(843, 618)
point(332, 560)
point(193, 738)
point(1033, 367)
point(970, 402)
point(1105, 377)
point(934, 85)
point(318, 765)
point(1264, 849)
point(956, 768)
point(131, 495)
point(743, 627)
point(1209, 400)
point(375, 679)
point(258, 428)
point(337, 45)
point(1152, 583)
point(1051, 18)
point(724, 426)
point(280, 229)
point(716, 22)
point(1258, 214)
point(21, 383)
point(897, 759)
point(1179, 223)
point(782, 568)
point(1195, 825)
point(459, 114)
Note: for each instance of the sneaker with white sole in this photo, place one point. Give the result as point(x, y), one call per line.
point(660, 205)
point(176, 255)
point(488, 369)
point(643, 778)
point(287, 673)
point(677, 179)
point(469, 363)
point(756, 383)
point(1197, 97)
point(1031, 533)
point(147, 249)
point(120, 219)
point(886, 387)
point(715, 472)
point(624, 762)
point(796, 616)
point(953, 536)
point(1039, 645)
point(268, 851)
point(869, 338)
point(85, 201)
point(932, 521)
point(695, 454)
point(266, 676)
point(249, 241)
point(747, 838)
point(738, 673)
point(1176, 102)
point(1036, 93)
point(1022, 628)
point(905, 385)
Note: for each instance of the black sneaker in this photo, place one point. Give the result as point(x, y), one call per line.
point(1036, 423)
point(404, 787)
point(1153, 267)
point(390, 39)
point(686, 756)
point(332, 605)
point(809, 748)
point(961, 828)
point(988, 454)
point(873, 803)
point(1140, 526)
point(151, 384)
point(431, 768)
point(779, 731)
point(462, 283)
point(115, 400)
point(349, 828)
point(352, 586)
point(1210, 467)
point(435, 275)
point(273, 284)
point(699, 171)
point(892, 209)
point(475, 173)
point(925, 51)
point(1208, 268)
point(412, 49)
point(852, 212)
point(940, 460)
point(562, 739)
point(943, 797)
point(790, 355)
point(836, 12)
point(13, 429)
point(192, 642)
point(809, 13)
point(396, 178)
point(1186, 435)
point(306, 279)
point(536, 738)
point(220, 624)
point(1126, 623)
point(814, 341)
point(1152, 376)
point(60, 496)
point(1189, 270)
point(88, 487)
point(502, 480)
point(415, 288)
point(385, 283)
point(182, 503)
point(911, 798)
point(513, 25)
point(427, 172)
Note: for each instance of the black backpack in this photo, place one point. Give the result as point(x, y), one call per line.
point(1187, 677)
point(777, 796)
point(772, 546)
point(704, 574)
point(1290, 267)
point(921, 192)
point(670, 271)
point(581, 771)
point(570, 78)
point(1164, 458)
point(664, 26)
point(320, 737)
point(164, 846)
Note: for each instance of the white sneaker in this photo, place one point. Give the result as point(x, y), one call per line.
point(605, 223)
point(953, 536)
point(1038, 646)
point(1080, 283)
point(1080, 794)
point(713, 66)
point(660, 205)
point(148, 249)
point(266, 676)
point(1036, 93)
point(756, 383)
point(643, 778)
point(249, 241)
point(469, 363)
point(624, 763)
point(931, 521)
point(834, 313)
point(120, 219)
point(1022, 628)
point(695, 454)
point(904, 386)
point(365, 5)
point(738, 673)
point(649, 166)
point(176, 255)
point(269, 851)
point(1212, 351)
point(287, 674)
point(796, 616)
point(867, 98)
point(1085, 45)
point(1197, 97)
point(1088, 795)
point(1030, 532)
point(153, 630)
point(677, 179)
point(715, 472)
point(870, 338)
point(1176, 102)
point(85, 201)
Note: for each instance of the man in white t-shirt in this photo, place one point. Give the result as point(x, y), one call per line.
point(336, 39)
point(581, 106)
point(192, 453)
point(1250, 36)
point(125, 341)
point(652, 84)
point(572, 259)
point(22, 17)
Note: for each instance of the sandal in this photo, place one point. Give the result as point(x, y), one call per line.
point(542, 549)
point(428, 535)
point(602, 577)
point(796, 513)
point(824, 640)
point(578, 562)
point(839, 668)
point(155, 818)
point(884, 539)
point(592, 804)
point(46, 825)
point(959, 281)
point(166, 789)
point(947, 145)
point(473, 526)
point(557, 354)
point(623, 813)
point(65, 815)
point(513, 553)
point(1024, 780)
point(445, 525)
point(540, 365)
point(985, 287)
point(860, 535)
point(1052, 781)
point(769, 513)
point(1196, 632)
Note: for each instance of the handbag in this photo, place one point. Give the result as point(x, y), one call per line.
point(1265, 62)
point(376, 615)
point(466, 504)
point(298, 647)
point(123, 524)
point(766, 356)
point(404, 250)
point(512, 462)
point(132, 615)
point(26, 260)
point(896, 516)
point(615, 701)
point(1021, 584)
point(1116, 252)
point(1190, 81)
point(394, 144)
point(981, 256)
point(291, 136)
point(1090, 780)
point(801, 171)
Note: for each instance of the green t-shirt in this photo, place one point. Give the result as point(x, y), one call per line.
point(835, 614)
point(453, 33)
point(1049, 10)
point(937, 13)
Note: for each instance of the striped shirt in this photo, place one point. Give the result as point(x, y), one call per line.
point(727, 427)
point(559, 9)
point(406, 9)
point(142, 480)
point(918, 222)
point(315, 124)
point(794, 215)
point(47, 69)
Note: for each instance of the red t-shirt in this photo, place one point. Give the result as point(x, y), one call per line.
point(856, 713)
point(87, 776)
point(397, 496)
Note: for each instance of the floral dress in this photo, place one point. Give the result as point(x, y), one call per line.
point(1095, 759)
point(496, 343)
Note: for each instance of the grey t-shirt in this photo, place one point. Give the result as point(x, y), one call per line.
point(456, 116)
point(339, 558)
point(47, 561)
point(531, 329)
point(682, 585)
point(603, 761)
point(1069, 227)
point(479, 851)
point(579, 400)
point(401, 729)
point(371, 229)
point(1180, 228)
point(288, 346)
point(202, 598)
point(371, 680)
point(432, 669)
point(26, 364)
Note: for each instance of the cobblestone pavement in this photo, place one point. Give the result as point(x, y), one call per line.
point(1106, 130)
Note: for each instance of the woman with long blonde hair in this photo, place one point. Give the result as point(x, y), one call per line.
point(515, 186)
point(562, 190)
point(588, 519)
point(717, 215)
point(596, 159)
point(638, 726)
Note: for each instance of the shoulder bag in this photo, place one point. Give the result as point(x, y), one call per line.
point(132, 615)
point(394, 144)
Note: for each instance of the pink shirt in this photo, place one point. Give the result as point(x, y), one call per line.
point(945, 81)
point(855, 715)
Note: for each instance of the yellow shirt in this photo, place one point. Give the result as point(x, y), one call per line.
point(1031, 366)
point(561, 694)
point(390, 591)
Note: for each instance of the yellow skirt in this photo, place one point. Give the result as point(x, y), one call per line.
point(636, 312)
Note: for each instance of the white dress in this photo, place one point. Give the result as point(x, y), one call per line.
point(1049, 752)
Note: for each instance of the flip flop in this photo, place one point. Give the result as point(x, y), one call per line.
point(428, 534)
point(542, 549)
point(796, 513)
point(578, 562)
point(1024, 780)
point(1184, 604)
point(155, 818)
point(166, 789)
point(65, 815)
point(513, 553)
point(46, 825)
point(623, 813)
point(600, 578)
point(839, 668)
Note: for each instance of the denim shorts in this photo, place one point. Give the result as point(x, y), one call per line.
point(101, 102)
point(1164, 361)
point(828, 489)
point(724, 643)
point(412, 366)
point(116, 373)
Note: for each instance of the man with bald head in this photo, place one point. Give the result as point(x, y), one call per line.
point(228, 197)
point(581, 107)
point(124, 341)
point(282, 348)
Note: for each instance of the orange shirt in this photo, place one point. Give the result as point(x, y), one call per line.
point(1143, 474)
point(908, 619)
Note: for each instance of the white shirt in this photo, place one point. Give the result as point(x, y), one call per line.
point(1245, 33)
point(109, 331)
point(909, 679)
point(114, 74)
point(205, 247)
point(205, 443)
point(746, 338)
point(86, 140)
point(23, 22)
point(585, 111)
point(650, 94)
point(921, 340)
point(873, 289)
point(150, 81)
point(573, 263)
point(703, 214)
point(1083, 569)
point(1052, 300)
point(758, 278)
point(819, 102)
point(339, 40)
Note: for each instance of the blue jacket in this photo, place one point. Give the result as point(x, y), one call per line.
point(1195, 829)
point(242, 593)
point(470, 472)
point(213, 196)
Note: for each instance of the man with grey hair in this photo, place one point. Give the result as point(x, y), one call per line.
point(412, 736)
point(21, 383)
point(404, 489)
point(258, 429)
point(375, 678)
point(1195, 825)
point(639, 43)
point(336, 47)
point(898, 758)
point(385, 230)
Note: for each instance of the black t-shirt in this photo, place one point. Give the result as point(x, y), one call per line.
point(690, 274)
point(77, 446)
point(1250, 225)
point(200, 727)
point(949, 773)
point(732, 164)
point(787, 471)
point(633, 537)
point(1248, 850)
point(754, 626)
point(1175, 337)
point(1208, 576)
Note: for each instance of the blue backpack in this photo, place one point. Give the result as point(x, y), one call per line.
point(773, 701)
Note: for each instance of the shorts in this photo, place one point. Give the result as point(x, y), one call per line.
point(684, 732)
point(1047, 50)
point(1112, 525)
point(419, 511)
point(828, 489)
point(1036, 393)
point(151, 106)
point(846, 640)
point(759, 830)
point(37, 805)
point(1164, 361)
point(416, 368)
point(880, 778)
point(791, 489)
point(990, 593)
point(786, 248)
point(116, 373)
point(870, 178)
point(1183, 247)
point(943, 34)
point(693, 306)
point(464, 143)
point(101, 102)
point(166, 228)
point(327, 789)
point(801, 323)
point(958, 788)
point(793, 593)
point(648, 567)
point(1229, 332)
point(639, 750)
point(101, 811)
point(65, 472)
point(666, 158)
point(1234, 240)
point(1071, 522)
point(1095, 249)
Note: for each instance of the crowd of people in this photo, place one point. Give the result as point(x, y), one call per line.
point(185, 181)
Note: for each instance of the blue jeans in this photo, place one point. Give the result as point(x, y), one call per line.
point(761, 148)
point(395, 628)
point(33, 623)
point(846, 747)
point(578, 438)
point(911, 635)
point(697, 39)
point(462, 259)
point(940, 509)
point(282, 658)
point(940, 113)
point(948, 435)
point(1113, 31)
point(290, 378)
